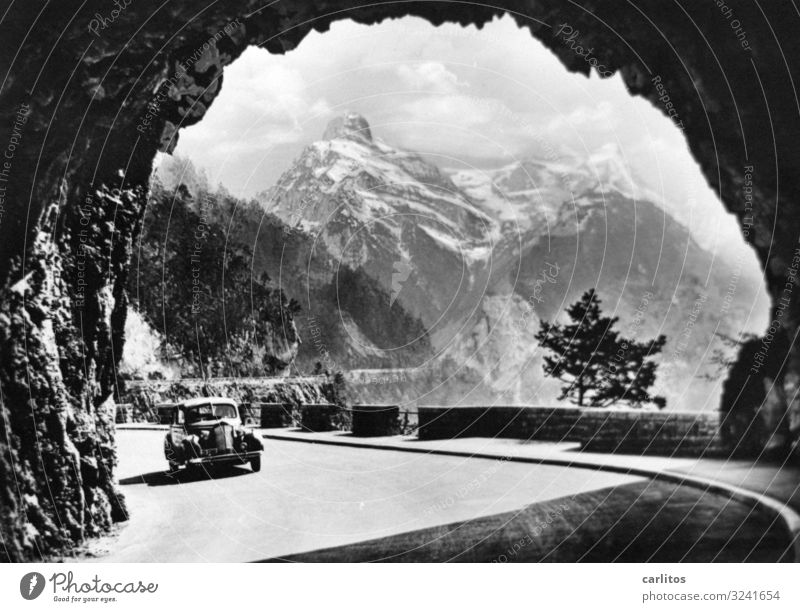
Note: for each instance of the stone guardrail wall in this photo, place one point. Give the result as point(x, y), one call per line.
point(306, 402)
point(261, 381)
point(141, 397)
point(623, 431)
point(362, 420)
point(323, 417)
point(303, 403)
point(376, 420)
point(275, 415)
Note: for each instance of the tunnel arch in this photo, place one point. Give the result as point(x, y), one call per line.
point(86, 122)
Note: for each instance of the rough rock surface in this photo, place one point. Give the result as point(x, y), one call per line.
point(84, 110)
point(351, 125)
point(312, 390)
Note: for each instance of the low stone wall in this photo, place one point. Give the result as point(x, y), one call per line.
point(376, 420)
point(274, 415)
point(323, 417)
point(144, 395)
point(623, 431)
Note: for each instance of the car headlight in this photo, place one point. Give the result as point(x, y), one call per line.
point(204, 434)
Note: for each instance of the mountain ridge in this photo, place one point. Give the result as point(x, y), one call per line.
point(464, 252)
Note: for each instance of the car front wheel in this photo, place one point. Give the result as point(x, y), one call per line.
point(255, 464)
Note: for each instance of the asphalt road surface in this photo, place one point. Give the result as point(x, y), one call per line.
point(333, 503)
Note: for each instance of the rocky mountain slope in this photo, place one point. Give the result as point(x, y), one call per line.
point(578, 224)
point(480, 256)
point(330, 315)
point(393, 215)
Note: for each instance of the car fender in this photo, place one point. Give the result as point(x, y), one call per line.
point(171, 451)
point(190, 447)
point(253, 441)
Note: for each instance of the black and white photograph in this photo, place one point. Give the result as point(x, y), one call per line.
point(429, 281)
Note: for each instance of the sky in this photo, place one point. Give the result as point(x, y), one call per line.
point(461, 96)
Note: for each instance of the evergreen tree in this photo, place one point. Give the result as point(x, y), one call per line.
point(194, 282)
point(596, 364)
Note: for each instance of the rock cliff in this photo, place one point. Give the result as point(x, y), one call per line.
point(99, 104)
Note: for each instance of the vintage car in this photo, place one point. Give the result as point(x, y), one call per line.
point(251, 415)
point(165, 412)
point(209, 430)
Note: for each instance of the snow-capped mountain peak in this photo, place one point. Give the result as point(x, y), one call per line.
point(478, 257)
point(350, 126)
point(375, 206)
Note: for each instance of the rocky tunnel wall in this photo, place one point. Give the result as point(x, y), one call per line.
point(91, 91)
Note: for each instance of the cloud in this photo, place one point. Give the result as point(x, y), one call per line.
point(454, 124)
point(428, 76)
point(457, 92)
point(602, 117)
point(261, 105)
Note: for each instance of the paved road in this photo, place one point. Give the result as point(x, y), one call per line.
point(310, 497)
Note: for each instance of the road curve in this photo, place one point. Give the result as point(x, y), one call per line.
point(318, 502)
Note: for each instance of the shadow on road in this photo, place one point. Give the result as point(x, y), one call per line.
point(648, 521)
point(160, 479)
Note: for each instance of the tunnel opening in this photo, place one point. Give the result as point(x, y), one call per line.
point(472, 147)
point(97, 113)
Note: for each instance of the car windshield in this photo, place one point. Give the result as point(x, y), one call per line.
point(205, 412)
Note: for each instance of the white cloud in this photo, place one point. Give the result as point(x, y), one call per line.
point(452, 91)
point(601, 116)
point(428, 76)
point(261, 105)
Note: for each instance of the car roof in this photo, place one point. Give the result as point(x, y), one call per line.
point(200, 401)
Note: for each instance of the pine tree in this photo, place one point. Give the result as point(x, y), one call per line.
point(597, 366)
